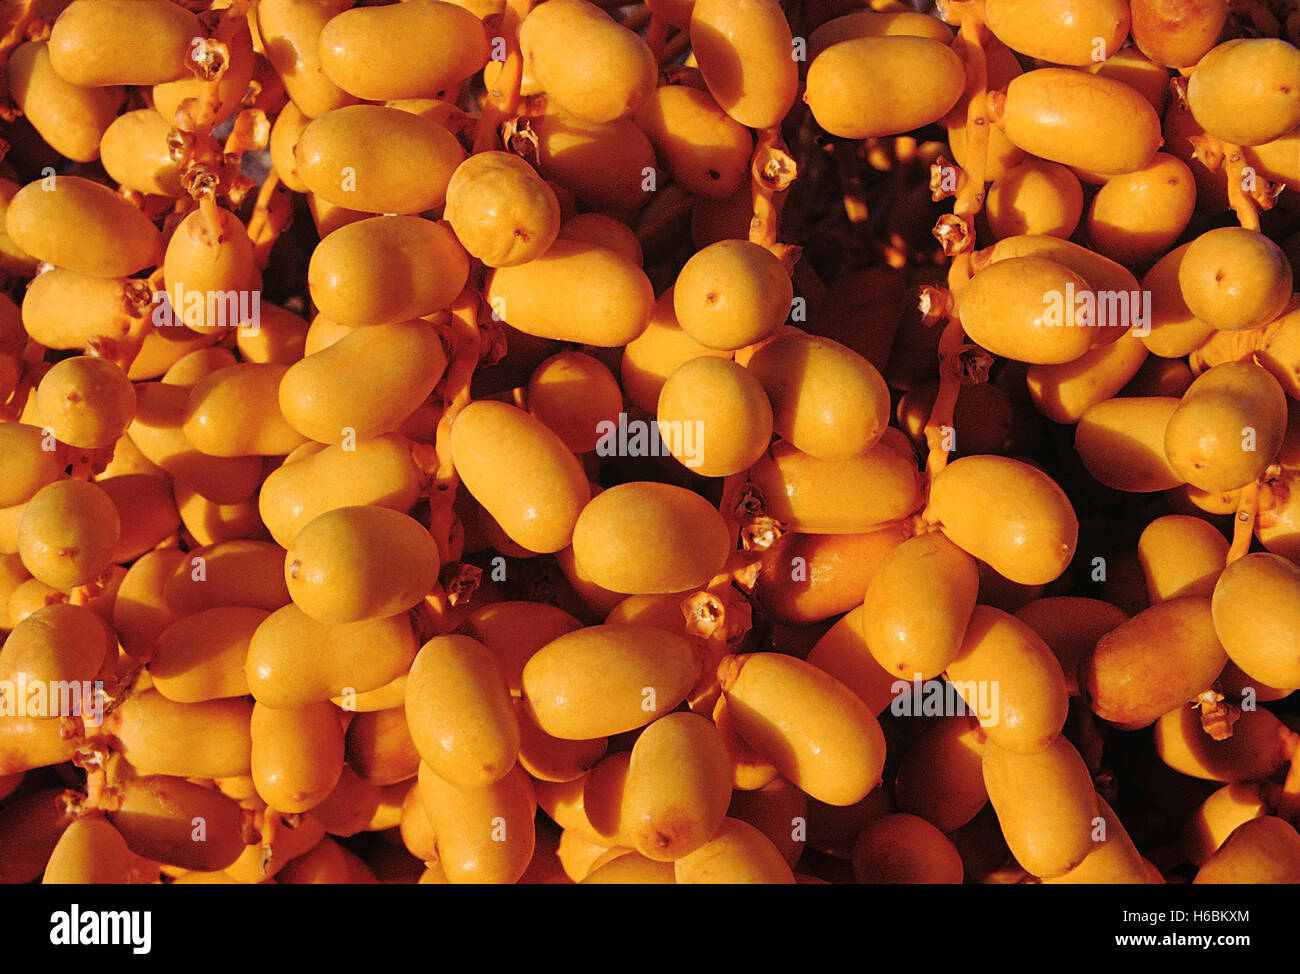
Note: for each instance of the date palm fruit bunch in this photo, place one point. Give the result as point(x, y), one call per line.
point(681, 441)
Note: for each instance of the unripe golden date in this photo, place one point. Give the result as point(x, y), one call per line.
point(178, 823)
point(362, 157)
point(645, 538)
point(737, 853)
point(1262, 851)
point(1045, 805)
point(1079, 119)
point(459, 711)
point(291, 32)
point(575, 292)
point(606, 680)
point(872, 23)
point(1035, 197)
point(745, 52)
point(1030, 540)
point(1256, 607)
point(501, 210)
point(90, 851)
point(577, 397)
point(725, 408)
point(732, 294)
point(1064, 393)
point(877, 86)
point(235, 412)
point(86, 402)
point(1181, 556)
point(1135, 217)
point(86, 47)
point(71, 118)
point(521, 472)
point(1113, 860)
point(1244, 92)
point(354, 271)
point(1256, 749)
point(1011, 680)
point(1075, 32)
point(610, 166)
point(68, 532)
point(297, 754)
point(1177, 33)
point(201, 657)
point(593, 66)
point(702, 147)
point(1157, 661)
point(812, 727)
point(411, 50)
point(904, 848)
point(1024, 308)
point(1235, 279)
point(82, 226)
point(1121, 442)
point(514, 631)
point(26, 464)
point(199, 740)
point(482, 835)
point(940, 777)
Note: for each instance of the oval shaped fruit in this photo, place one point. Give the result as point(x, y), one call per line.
point(702, 147)
point(1114, 858)
point(656, 353)
point(502, 211)
point(1135, 217)
point(1218, 817)
point(918, 604)
point(1181, 556)
point(1045, 805)
point(28, 462)
point(606, 680)
point(210, 281)
point(90, 851)
point(482, 835)
point(589, 63)
point(1256, 749)
point(201, 657)
point(736, 854)
point(365, 384)
point(1035, 197)
point(294, 661)
point(57, 646)
point(608, 166)
point(849, 496)
point(85, 47)
point(816, 731)
point(235, 412)
point(1177, 33)
point(744, 51)
point(577, 397)
point(189, 740)
point(1081, 120)
point(1243, 91)
point(82, 226)
point(872, 23)
point(842, 652)
point(1121, 442)
point(237, 572)
point(940, 777)
point(731, 294)
point(412, 50)
point(645, 538)
point(1011, 680)
point(1256, 606)
point(1264, 850)
point(678, 787)
point(905, 849)
point(68, 532)
point(158, 816)
point(87, 402)
point(290, 31)
point(576, 292)
point(362, 157)
point(386, 269)
point(297, 754)
point(1234, 278)
point(357, 563)
point(459, 712)
point(1060, 31)
point(714, 417)
point(521, 472)
point(1034, 537)
point(1228, 427)
point(514, 631)
point(1026, 308)
point(72, 119)
point(877, 86)
point(1157, 661)
point(1064, 393)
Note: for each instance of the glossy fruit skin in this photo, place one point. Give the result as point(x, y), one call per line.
point(357, 563)
point(590, 64)
point(459, 711)
point(297, 755)
point(501, 210)
point(646, 538)
point(1255, 605)
point(521, 472)
point(605, 165)
point(850, 496)
point(1114, 859)
point(904, 848)
point(731, 294)
point(1045, 805)
point(1181, 556)
point(482, 835)
point(83, 226)
point(918, 604)
point(737, 853)
point(842, 652)
point(999, 651)
point(1122, 443)
point(1174, 330)
point(1047, 109)
point(418, 50)
point(1031, 542)
point(726, 411)
point(162, 33)
point(56, 643)
point(1063, 393)
point(294, 661)
point(352, 270)
point(1244, 91)
point(1218, 817)
point(290, 32)
point(576, 292)
point(87, 402)
point(197, 264)
point(872, 23)
point(1264, 850)
point(364, 385)
point(705, 150)
point(1227, 428)
point(235, 412)
point(1255, 750)
point(1021, 308)
point(237, 572)
point(1035, 197)
point(678, 786)
point(1135, 217)
point(514, 631)
point(71, 118)
point(743, 48)
point(25, 465)
point(574, 394)
point(90, 851)
point(593, 682)
point(1154, 663)
point(815, 730)
point(201, 657)
point(878, 86)
point(68, 533)
point(1062, 31)
point(1177, 33)
point(1235, 279)
point(158, 816)
point(200, 740)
